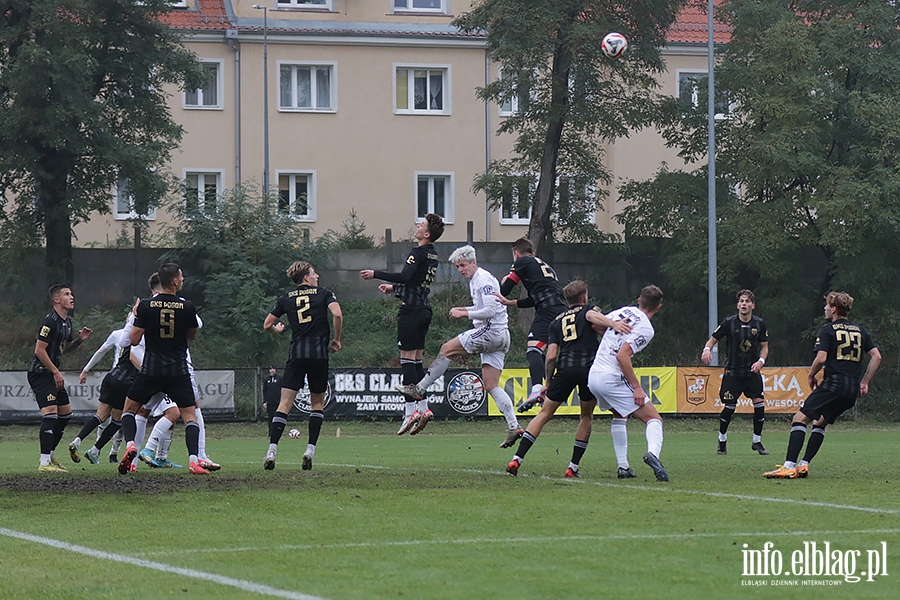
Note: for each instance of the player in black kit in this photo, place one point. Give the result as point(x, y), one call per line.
point(545, 294)
point(46, 381)
point(746, 347)
point(839, 348)
point(307, 307)
point(166, 322)
point(573, 345)
point(412, 286)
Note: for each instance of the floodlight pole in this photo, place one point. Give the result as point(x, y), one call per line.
point(711, 185)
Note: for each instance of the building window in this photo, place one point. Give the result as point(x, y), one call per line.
point(297, 194)
point(307, 87)
point(434, 194)
point(422, 90)
point(515, 200)
point(575, 198)
point(179, 3)
point(210, 95)
point(518, 99)
point(201, 191)
point(306, 3)
point(438, 6)
point(125, 203)
point(690, 83)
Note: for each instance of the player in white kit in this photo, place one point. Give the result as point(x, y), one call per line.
point(489, 337)
point(613, 382)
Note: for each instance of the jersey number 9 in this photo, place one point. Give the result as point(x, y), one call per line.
point(167, 323)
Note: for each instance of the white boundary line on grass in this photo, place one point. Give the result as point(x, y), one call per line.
point(516, 540)
point(247, 586)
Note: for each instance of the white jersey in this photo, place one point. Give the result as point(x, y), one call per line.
point(641, 333)
point(487, 311)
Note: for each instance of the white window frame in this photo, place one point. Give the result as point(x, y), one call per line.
point(694, 98)
point(220, 186)
point(589, 189)
point(513, 102)
point(517, 220)
point(411, 69)
point(178, 3)
point(449, 194)
point(310, 192)
point(331, 65)
point(410, 7)
point(130, 215)
point(324, 5)
point(220, 89)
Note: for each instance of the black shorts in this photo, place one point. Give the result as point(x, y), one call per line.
point(831, 399)
point(299, 371)
point(565, 380)
point(733, 386)
point(540, 326)
point(113, 392)
point(412, 327)
point(177, 387)
point(45, 391)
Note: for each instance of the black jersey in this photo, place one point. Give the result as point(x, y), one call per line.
point(57, 333)
point(124, 370)
point(742, 342)
point(845, 342)
point(307, 311)
point(166, 320)
point(413, 284)
point(539, 278)
point(575, 336)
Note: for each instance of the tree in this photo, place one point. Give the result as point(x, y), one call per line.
point(809, 158)
point(571, 100)
point(82, 109)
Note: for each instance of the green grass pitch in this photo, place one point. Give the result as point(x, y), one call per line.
point(436, 516)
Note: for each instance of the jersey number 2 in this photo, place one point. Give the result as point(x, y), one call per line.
point(303, 306)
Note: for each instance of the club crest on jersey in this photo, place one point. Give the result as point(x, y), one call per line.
point(466, 393)
point(45, 331)
point(754, 331)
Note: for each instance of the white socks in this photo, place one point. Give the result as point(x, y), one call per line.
point(619, 434)
point(437, 368)
point(654, 437)
point(501, 398)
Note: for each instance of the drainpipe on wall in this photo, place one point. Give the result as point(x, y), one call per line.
point(487, 145)
point(231, 35)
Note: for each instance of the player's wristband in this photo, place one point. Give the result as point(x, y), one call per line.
point(762, 360)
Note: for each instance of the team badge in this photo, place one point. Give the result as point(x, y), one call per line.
point(45, 331)
point(302, 401)
point(754, 331)
point(696, 388)
point(466, 393)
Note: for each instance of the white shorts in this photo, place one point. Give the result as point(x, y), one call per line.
point(613, 392)
point(491, 344)
point(159, 404)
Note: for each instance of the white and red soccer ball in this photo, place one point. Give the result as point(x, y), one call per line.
point(294, 434)
point(614, 45)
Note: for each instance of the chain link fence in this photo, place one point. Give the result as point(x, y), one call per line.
point(248, 393)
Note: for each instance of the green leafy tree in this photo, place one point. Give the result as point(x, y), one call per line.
point(234, 255)
point(83, 105)
point(570, 101)
point(808, 159)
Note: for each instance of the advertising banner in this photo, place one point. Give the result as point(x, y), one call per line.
point(17, 400)
point(659, 383)
point(372, 393)
point(785, 389)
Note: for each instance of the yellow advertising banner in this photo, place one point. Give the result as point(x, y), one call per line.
point(659, 384)
point(785, 389)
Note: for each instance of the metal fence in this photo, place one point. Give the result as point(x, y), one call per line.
point(248, 393)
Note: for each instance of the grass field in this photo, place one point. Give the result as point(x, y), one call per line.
point(436, 516)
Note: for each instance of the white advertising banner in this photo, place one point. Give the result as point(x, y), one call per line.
point(17, 400)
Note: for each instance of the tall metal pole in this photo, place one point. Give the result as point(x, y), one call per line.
point(711, 185)
point(265, 10)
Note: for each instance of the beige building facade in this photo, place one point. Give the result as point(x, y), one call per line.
point(371, 110)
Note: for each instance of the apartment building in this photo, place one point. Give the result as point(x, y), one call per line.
point(371, 109)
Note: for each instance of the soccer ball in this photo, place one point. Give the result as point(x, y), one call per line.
point(294, 434)
point(614, 44)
